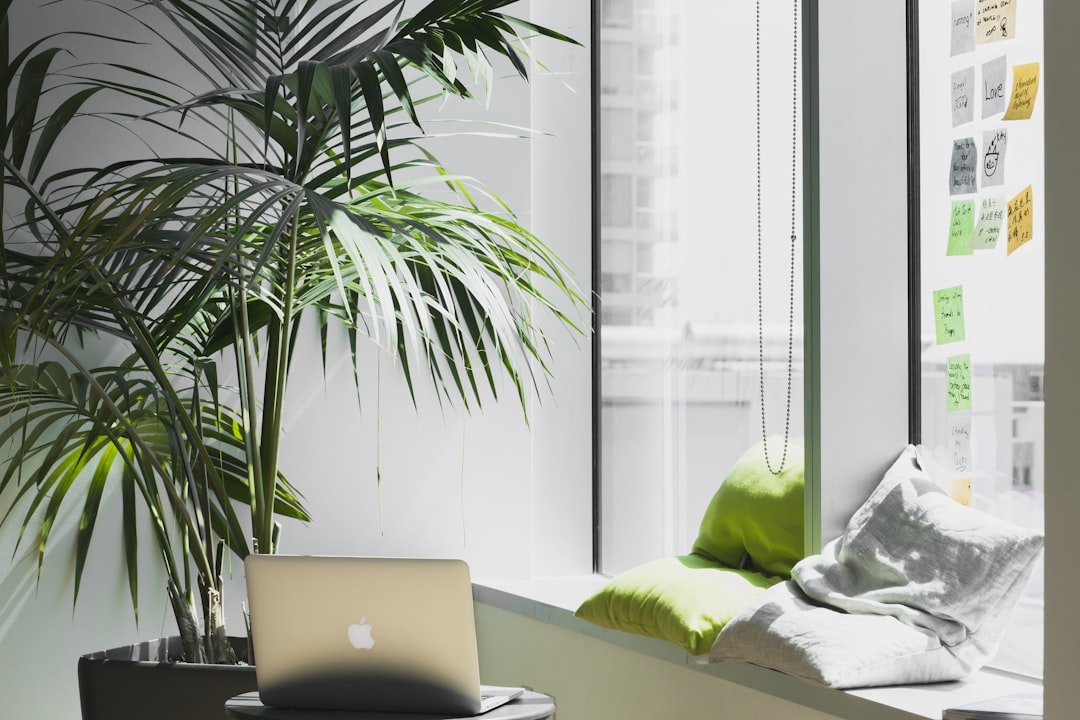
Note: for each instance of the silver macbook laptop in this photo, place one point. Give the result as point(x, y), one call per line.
point(368, 634)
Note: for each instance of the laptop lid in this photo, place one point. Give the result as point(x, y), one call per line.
point(369, 634)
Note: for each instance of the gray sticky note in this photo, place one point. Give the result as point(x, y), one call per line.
point(994, 90)
point(995, 142)
point(964, 167)
point(963, 27)
point(963, 96)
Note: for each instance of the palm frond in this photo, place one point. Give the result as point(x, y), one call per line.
point(304, 192)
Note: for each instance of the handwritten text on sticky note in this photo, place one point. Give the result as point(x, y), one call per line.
point(1025, 88)
point(949, 314)
point(963, 27)
point(963, 96)
point(988, 225)
point(960, 441)
point(961, 227)
point(1021, 220)
point(958, 375)
point(993, 87)
point(995, 20)
point(963, 167)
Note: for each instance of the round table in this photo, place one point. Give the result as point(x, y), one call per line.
point(530, 706)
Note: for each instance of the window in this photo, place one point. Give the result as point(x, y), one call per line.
point(680, 396)
point(982, 394)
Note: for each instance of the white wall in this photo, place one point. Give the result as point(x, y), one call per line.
point(41, 636)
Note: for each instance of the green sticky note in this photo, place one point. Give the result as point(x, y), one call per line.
point(961, 228)
point(949, 314)
point(958, 373)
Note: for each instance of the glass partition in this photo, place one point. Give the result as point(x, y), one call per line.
point(982, 268)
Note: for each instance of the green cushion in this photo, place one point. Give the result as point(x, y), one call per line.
point(757, 512)
point(685, 600)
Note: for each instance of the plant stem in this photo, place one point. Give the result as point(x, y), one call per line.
point(277, 372)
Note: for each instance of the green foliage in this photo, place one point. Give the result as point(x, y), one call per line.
point(308, 199)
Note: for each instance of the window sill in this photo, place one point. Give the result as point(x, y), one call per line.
point(552, 601)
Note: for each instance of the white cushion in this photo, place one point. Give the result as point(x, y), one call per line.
point(917, 589)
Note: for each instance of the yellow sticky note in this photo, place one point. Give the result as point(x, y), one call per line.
point(960, 490)
point(1020, 218)
point(1024, 89)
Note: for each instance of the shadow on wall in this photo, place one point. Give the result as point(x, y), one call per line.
point(42, 635)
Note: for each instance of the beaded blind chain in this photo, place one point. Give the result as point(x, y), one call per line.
point(793, 237)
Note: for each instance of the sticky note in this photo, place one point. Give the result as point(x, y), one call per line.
point(963, 27)
point(995, 20)
point(963, 96)
point(1024, 89)
point(960, 490)
point(993, 87)
point(958, 377)
point(988, 224)
point(960, 441)
point(964, 167)
point(949, 314)
point(995, 143)
point(1021, 221)
point(961, 227)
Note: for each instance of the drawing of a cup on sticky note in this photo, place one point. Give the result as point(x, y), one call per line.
point(990, 162)
point(995, 143)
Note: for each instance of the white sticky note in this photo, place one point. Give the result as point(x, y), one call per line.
point(960, 441)
point(988, 223)
point(995, 142)
point(963, 27)
point(963, 96)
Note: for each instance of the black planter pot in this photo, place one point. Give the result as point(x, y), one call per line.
point(137, 682)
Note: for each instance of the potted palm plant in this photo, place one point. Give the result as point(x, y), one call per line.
point(305, 203)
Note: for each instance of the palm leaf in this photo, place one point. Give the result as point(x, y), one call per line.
point(305, 195)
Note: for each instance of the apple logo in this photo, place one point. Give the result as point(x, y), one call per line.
point(360, 635)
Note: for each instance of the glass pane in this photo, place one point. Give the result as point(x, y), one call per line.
point(617, 13)
point(982, 375)
point(617, 142)
point(618, 57)
point(681, 398)
point(616, 200)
